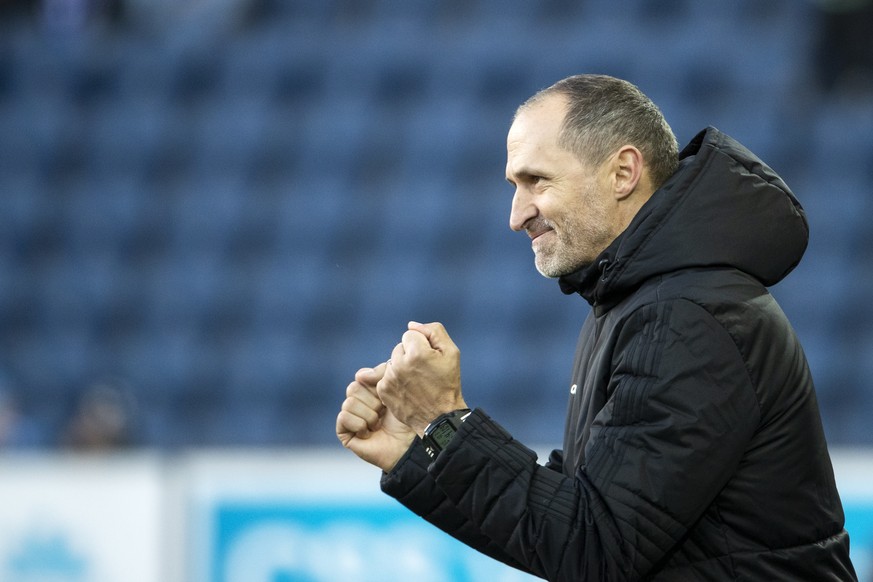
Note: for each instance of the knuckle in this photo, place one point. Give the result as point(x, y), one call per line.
point(342, 421)
point(382, 388)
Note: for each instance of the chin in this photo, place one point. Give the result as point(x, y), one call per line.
point(556, 269)
point(552, 271)
point(547, 274)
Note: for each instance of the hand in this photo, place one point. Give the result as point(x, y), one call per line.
point(366, 427)
point(423, 379)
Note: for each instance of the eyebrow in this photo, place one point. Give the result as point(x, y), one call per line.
point(526, 172)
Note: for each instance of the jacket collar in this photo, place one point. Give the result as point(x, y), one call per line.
point(723, 207)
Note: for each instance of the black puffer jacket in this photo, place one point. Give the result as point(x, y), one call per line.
point(693, 447)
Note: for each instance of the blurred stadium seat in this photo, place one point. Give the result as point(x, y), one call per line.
point(235, 222)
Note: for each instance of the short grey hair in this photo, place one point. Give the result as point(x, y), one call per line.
point(605, 113)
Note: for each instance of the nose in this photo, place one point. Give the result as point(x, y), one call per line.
point(523, 209)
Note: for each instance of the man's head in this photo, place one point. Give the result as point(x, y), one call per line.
point(584, 155)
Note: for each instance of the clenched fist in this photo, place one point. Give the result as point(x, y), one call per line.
point(366, 427)
point(423, 376)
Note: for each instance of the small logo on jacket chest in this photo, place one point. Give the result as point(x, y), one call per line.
point(573, 389)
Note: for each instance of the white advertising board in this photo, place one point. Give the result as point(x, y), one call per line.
point(258, 516)
point(75, 519)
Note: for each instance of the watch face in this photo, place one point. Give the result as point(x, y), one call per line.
point(443, 433)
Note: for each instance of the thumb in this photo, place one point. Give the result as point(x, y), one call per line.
point(435, 333)
point(369, 377)
point(415, 343)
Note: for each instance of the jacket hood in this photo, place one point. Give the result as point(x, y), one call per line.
point(723, 207)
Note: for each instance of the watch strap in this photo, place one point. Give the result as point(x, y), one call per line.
point(442, 429)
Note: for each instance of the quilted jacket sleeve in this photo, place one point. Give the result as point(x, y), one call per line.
point(680, 412)
point(411, 484)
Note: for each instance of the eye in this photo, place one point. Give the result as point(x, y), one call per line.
point(537, 182)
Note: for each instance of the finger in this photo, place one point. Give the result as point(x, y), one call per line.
point(414, 343)
point(348, 425)
point(366, 394)
point(397, 353)
point(435, 333)
point(389, 379)
point(370, 376)
point(360, 409)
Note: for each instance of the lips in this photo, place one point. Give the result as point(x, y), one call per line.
point(537, 227)
point(535, 235)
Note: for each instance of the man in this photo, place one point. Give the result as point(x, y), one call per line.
point(693, 446)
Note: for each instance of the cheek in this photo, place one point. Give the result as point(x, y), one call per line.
point(558, 208)
point(567, 216)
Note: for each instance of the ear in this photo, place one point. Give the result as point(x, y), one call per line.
point(628, 168)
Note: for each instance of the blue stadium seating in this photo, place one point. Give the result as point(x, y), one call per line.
point(235, 216)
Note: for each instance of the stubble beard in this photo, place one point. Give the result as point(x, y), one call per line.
point(572, 247)
point(558, 257)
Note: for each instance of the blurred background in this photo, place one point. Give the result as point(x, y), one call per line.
point(212, 212)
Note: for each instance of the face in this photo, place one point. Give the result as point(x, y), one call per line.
point(560, 201)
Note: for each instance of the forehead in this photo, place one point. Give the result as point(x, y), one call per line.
point(532, 141)
point(539, 122)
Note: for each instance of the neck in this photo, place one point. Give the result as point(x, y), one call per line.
point(629, 208)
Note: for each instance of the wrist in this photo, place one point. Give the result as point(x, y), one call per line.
point(426, 418)
point(388, 465)
point(437, 435)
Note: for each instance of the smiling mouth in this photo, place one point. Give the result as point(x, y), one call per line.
point(535, 235)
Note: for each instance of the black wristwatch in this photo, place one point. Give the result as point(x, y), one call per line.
point(439, 432)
